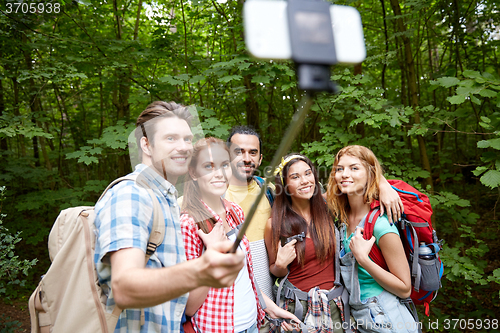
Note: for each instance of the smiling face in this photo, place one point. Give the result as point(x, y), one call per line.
point(351, 176)
point(172, 147)
point(245, 156)
point(212, 172)
point(300, 183)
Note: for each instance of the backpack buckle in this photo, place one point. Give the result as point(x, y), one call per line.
point(151, 248)
point(289, 293)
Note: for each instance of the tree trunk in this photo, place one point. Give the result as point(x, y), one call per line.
point(33, 100)
point(360, 127)
point(384, 67)
point(3, 141)
point(252, 108)
point(122, 96)
point(43, 145)
point(412, 85)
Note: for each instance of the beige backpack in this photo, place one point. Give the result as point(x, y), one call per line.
point(69, 297)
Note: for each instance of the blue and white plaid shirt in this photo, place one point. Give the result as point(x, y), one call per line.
point(124, 220)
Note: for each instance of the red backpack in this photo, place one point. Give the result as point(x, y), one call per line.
point(414, 228)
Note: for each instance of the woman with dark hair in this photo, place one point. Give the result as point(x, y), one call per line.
point(206, 219)
point(376, 295)
point(307, 262)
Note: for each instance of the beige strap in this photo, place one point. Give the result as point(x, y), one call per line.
point(157, 232)
point(156, 236)
point(33, 312)
point(116, 181)
point(143, 317)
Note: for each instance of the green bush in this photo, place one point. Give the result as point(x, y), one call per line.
point(11, 267)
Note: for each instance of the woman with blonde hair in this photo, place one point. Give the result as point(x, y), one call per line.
point(377, 296)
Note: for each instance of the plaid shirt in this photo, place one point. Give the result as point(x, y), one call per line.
point(124, 220)
point(216, 313)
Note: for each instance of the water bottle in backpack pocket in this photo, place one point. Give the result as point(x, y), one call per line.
point(430, 267)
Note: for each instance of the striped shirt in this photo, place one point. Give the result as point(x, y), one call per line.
point(124, 219)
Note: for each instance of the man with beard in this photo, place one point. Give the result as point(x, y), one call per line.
point(244, 187)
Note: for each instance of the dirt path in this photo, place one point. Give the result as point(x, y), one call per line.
point(15, 316)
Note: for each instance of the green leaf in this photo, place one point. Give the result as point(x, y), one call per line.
point(479, 170)
point(466, 91)
point(483, 144)
point(487, 93)
point(493, 143)
point(73, 75)
point(261, 79)
point(196, 79)
point(171, 80)
point(457, 99)
point(448, 81)
point(288, 86)
point(471, 74)
point(88, 160)
point(491, 178)
point(228, 78)
point(475, 100)
point(244, 65)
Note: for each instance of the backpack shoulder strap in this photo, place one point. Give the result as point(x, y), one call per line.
point(158, 231)
point(269, 190)
point(337, 255)
point(259, 180)
point(369, 225)
point(132, 177)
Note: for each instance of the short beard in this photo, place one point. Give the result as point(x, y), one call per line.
point(243, 177)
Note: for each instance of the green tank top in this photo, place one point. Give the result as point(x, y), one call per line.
point(367, 285)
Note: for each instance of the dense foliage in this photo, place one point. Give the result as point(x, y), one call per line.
point(426, 100)
point(12, 268)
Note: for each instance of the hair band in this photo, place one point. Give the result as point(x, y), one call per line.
point(279, 168)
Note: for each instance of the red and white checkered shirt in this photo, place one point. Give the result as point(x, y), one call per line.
point(216, 313)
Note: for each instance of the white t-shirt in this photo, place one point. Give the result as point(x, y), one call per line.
point(245, 306)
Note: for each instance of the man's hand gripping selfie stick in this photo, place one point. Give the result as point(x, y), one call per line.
point(286, 143)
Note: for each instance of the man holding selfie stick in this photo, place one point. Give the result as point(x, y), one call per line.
point(125, 218)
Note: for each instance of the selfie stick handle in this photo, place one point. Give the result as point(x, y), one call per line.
point(286, 143)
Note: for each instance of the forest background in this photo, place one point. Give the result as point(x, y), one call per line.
point(426, 101)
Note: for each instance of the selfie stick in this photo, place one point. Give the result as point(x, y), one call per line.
point(286, 143)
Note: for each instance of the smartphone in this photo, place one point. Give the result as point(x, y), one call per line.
point(267, 31)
